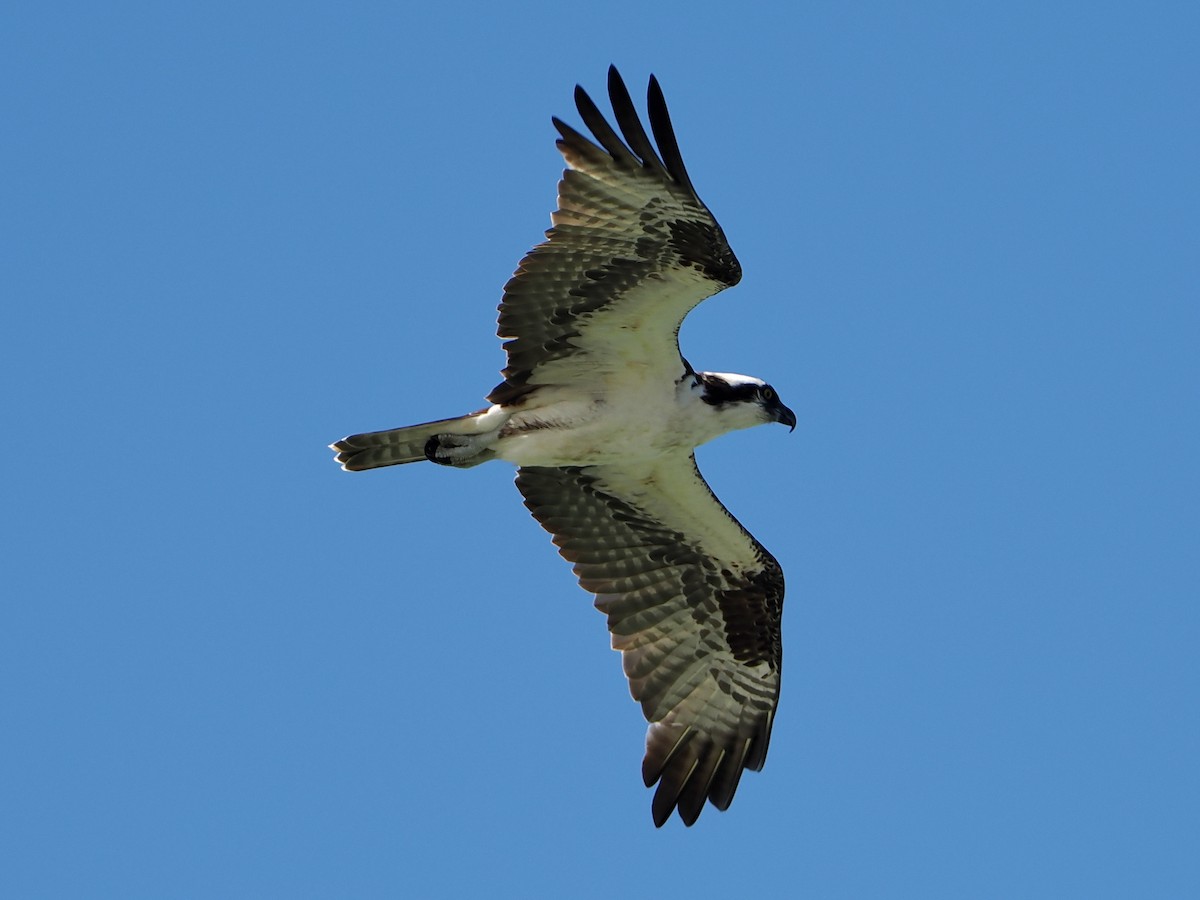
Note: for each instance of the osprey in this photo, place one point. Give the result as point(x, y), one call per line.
point(601, 414)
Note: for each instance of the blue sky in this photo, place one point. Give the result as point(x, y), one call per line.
point(236, 232)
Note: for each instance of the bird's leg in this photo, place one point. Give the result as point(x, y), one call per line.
point(459, 450)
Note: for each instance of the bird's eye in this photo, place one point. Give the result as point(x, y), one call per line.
point(768, 393)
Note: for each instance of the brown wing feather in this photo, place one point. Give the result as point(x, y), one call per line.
point(631, 241)
point(693, 604)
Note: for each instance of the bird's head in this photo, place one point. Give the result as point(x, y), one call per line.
point(743, 401)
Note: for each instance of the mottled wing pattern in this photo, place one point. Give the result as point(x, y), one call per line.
point(693, 603)
point(632, 249)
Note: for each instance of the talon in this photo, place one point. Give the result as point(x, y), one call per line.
point(431, 448)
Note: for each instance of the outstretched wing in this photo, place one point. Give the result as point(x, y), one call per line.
point(632, 249)
point(693, 604)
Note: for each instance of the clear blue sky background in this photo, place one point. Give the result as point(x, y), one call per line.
point(233, 233)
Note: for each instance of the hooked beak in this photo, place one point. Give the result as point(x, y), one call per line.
point(785, 416)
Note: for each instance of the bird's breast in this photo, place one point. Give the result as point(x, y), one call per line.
point(592, 431)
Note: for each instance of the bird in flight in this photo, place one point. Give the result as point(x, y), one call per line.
point(601, 414)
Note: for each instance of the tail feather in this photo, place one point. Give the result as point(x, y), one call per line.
point(395, 446)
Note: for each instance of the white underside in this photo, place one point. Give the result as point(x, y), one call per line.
point(627, 423)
